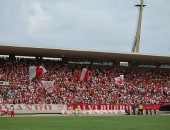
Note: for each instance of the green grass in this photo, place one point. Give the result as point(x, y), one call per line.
point(86, 123)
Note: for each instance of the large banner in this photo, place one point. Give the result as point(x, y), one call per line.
point(99, 107)
point(35, 108)
point(85, 109)
point(110, 106)
point(102, 109)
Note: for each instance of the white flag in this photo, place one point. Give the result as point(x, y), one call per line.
point(48, 85)
point(119, 80)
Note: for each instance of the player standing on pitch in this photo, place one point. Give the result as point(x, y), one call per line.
point(12, 111)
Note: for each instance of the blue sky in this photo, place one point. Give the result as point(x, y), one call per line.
point(100, 25)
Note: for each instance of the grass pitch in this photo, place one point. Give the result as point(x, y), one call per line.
point(85, 123)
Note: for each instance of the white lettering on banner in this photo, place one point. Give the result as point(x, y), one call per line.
point(110, 106)
point(67, 109)
point(100, 107)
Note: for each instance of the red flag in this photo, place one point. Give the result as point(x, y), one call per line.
point(36, 71)
point(84, 74)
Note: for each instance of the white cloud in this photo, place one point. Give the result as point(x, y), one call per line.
point(86, 24)
point(38, 20)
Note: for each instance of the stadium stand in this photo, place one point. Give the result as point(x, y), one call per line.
point(151, 86)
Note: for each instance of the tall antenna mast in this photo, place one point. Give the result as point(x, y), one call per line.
point(135, 47)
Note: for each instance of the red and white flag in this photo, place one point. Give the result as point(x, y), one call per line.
point(48, 85)
point(36, 71)
point(119, 80)
point(84, 74)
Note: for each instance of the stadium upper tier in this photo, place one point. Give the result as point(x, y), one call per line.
point(60, 53)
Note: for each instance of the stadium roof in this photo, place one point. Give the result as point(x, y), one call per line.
point(59, 53)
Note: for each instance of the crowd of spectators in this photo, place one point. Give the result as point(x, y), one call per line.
point(150, 86)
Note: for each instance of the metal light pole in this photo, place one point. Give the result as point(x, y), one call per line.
point(135, 47)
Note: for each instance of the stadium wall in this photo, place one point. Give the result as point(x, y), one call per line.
point(69, 109)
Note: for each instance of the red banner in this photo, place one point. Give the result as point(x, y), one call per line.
point(152, 106)
point(110, 106)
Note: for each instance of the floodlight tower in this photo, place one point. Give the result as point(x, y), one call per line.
point(135, 47)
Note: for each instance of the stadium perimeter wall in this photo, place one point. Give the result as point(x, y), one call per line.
point(68, 110)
